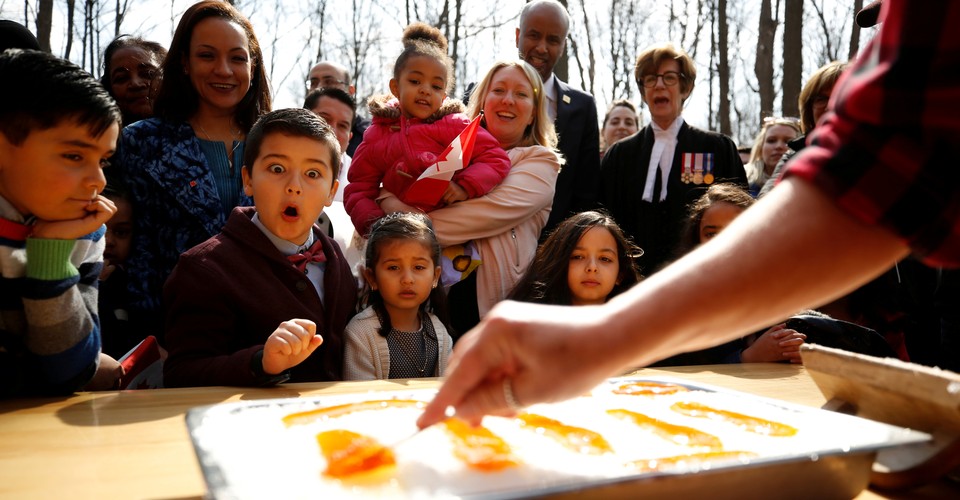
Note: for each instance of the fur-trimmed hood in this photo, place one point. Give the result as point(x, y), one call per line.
point(387, 107)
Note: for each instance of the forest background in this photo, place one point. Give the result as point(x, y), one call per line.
point(752, 56)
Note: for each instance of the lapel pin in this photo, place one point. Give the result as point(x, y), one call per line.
point(566, 99)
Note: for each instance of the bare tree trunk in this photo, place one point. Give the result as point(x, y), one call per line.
point(71, 4)
point(455, 45)
point(855, 34)
point(792, 61)
point(591, 57)
point(44, 21)
point(711, 73)
point(562, 67)
point(763, 67)
point(321, 13)
point(723, 69)
point(121, 11)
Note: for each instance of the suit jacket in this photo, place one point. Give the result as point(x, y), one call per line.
point(228, 294)
point(579, 181)
point(656, 226)
point(359, 126)
point(175, 202)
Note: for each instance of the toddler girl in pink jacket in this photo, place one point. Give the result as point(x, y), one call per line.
point(410, 131)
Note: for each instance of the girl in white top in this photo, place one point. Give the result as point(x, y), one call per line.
point(402, 332)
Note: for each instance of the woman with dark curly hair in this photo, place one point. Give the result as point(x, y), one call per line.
point(586, 260)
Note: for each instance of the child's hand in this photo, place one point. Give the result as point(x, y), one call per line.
point(107, 270)
point(779, 343)
point(99, 211)
point(453, 194)
point(291, 343)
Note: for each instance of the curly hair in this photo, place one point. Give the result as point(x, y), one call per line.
point(423, 40)
point(545, 281)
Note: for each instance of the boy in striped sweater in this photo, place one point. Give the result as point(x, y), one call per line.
point(58, 126)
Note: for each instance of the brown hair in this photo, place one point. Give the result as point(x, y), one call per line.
point(397, 226)
point(545, 281)
point(177, 100)
point(825, 77)
point(717, 193)
point(651, 58)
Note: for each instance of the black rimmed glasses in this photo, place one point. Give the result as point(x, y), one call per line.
point(670, 78)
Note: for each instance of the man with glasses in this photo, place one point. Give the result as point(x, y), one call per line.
point(648, 180)
point(328, 74)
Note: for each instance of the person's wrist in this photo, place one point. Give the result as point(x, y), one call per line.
point(260, 373)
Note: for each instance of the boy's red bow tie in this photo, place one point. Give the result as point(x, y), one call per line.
point(312, 254)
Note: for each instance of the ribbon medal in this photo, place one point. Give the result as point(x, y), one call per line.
point(686, 174)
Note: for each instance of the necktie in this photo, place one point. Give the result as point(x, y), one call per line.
point(14, 231)
point(312, 254)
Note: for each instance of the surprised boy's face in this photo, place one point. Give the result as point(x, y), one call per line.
point(290, 182)
point(55, 173)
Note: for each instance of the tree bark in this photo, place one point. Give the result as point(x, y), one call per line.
point(44, 21)
point(763, 67)
point(723, 69)
point(561, 69)
point(792, 60)
point(71, 4)
point(855, 34)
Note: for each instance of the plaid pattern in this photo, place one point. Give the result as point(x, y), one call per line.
point(888, 152)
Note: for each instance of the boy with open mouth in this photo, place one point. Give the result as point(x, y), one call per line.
point(267, 299)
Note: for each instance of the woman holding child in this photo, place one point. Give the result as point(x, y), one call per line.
point(504, 225)
point(183, 166)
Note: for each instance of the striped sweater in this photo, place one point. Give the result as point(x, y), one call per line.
point(49, 330)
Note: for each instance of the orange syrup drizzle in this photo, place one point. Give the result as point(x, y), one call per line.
point(309, 416)
point(751, 424)
point(575, 438)
point(478, 447)
point(693, 460)
point(649, 389)
point(684, 436)
point(349, 453)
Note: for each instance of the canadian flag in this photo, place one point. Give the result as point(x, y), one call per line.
point(426, 191)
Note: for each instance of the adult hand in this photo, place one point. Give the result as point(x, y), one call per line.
point(548, 353)
point(778, 343)
point(291, 343)
point(98, 212)
point(453, 194)
point(390, 203)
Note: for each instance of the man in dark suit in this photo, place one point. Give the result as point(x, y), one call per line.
point(541, 40)
point(330, 74)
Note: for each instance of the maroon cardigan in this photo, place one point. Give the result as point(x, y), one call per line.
point(229, 293)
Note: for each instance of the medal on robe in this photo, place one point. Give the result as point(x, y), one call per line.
point(698, 168)
point(686, 175)
point(708, 168)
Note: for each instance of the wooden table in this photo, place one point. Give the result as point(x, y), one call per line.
point(134, 444)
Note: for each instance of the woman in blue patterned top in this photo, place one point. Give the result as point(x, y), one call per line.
point(183, 165)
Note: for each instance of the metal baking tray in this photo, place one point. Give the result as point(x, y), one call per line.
point(245, 451)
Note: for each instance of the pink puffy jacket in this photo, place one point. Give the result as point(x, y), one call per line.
point(396, 150)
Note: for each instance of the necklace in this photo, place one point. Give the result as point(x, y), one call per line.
point(236, 141)
point(422, 334)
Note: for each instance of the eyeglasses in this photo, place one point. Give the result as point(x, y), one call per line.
point(670, 78)
point(325, 82)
